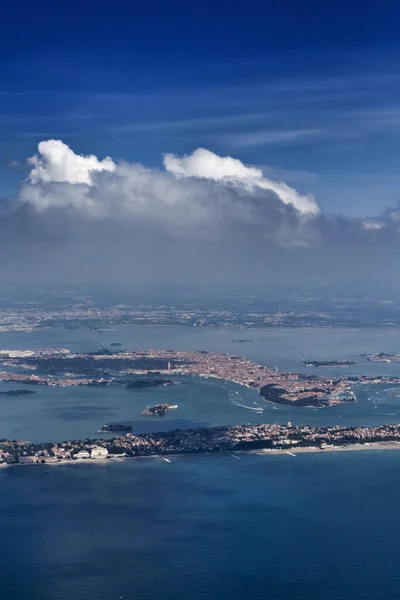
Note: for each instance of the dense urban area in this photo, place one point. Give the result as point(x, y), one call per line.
point(202, 440)
point(111, 366)
point(60, 367)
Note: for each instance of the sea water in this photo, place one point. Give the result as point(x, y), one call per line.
point(318, 525)
point(322, 525)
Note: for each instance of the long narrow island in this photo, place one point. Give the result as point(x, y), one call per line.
point(202, 440)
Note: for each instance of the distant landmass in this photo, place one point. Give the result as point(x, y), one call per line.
point(16, 392)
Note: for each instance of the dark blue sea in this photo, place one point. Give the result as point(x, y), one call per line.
point(318, 526)
point(323, 525)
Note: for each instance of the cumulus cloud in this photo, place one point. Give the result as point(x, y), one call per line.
point(201, 195)
point(137, 189)
point(207, 165)
point(199, 217)
point(56, 162)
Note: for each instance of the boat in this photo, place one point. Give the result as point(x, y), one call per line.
point(167, 460)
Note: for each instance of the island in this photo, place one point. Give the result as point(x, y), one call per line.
point(328, 363)
point(16, 392)
point(115, 427)
point(315, 397)
point(60, 367)
point(159, 410)
point(383, 357)
point(227, 438)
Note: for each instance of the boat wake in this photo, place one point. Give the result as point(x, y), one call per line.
point(236, 402)
point(234, 396)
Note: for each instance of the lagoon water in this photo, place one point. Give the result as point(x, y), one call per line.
point(68, 413)
point(321, 525)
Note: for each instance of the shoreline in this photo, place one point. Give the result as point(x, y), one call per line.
point(293, 452)
point(332, 448)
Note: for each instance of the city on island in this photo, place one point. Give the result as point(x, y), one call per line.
point(60, 367)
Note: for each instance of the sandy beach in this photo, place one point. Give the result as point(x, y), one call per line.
point(276, 452)
point(350, 447)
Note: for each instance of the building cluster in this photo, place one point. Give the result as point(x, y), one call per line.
point(202, 440)
point(14, 452)
point(106, 369)
point(90, 309)
point(31, 379)
point(384, 357)
point(26, 319)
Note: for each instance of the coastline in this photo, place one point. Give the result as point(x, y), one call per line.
point(293, 452)
point(350, 447)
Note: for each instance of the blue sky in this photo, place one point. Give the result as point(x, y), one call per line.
point(309, 91)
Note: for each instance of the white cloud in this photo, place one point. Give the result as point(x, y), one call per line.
point(207, 165)
point(56, 162)
point(373, 225)
point(203, 214)
point(264, 138)
point(201, 196)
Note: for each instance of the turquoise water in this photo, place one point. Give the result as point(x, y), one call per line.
point(65, 413)
point(56, 414)
point(317, 526)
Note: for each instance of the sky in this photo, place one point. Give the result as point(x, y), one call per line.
point(304, 96)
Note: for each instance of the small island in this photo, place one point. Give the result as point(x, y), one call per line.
point(159, 410)
point(383, 357)
point(115, 427)
point(328, 363)
point(16, 392)
point(147, 383)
